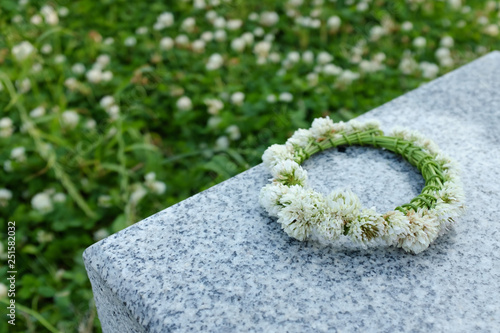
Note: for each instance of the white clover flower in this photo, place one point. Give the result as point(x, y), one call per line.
point(234, 24)
point(94, 75)
point(70, 118)
point(285, 97)
point(46, 49)
point(109, 41)
point(130, 41)
point(262, 48)
point(234, 132)
point(423, 230)
point(198, 46)
point(141, 31)
point(214, 62)
point(271, 98)
point(207, 36)
point(100, 234)
point(59, 59)
point(36, 19)
point(37, 112)
point(258, 32)
point(90, 124)
point(429, 70)
point(103, 60)
point(182, 40)
point(213, 122)
point(166, 43)
point(107, 101)
point(18, 154)
point(290, 172)
point(324, 58)
point(322, 128)
point(270, 197)
point(199, 4)
point(308, 57)
point(42, 203)
point(492, 30)
point(347, 77)
point(59, 197)
point(331, 69)
point(214, 106)
point(222, 143)
point(406, 26)
point(253, 16)
point(312, 79)
point(184, 103)
point(6, 127)
point(238, 44)
point(220, 35)
point(63, 11)
point(23, 85)
point(189, 24)
point(107, 76)
point(248, 38)
point(5, 196)
point(238, 98)
point(447, 41)
point(43, 236)
point(269, 19)
point(408, 65)
point(397, 224)
point(137, 195)
point(166, 19)
point(78, 68)
point(377, 32)
point(23, 50)
point(420, 42)
point(219, 22)
point(276, 153)
point(300, 138)
point(366, 227)
point(333, 23)
point(50, 15)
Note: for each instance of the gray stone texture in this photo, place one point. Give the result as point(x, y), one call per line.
point(217, 263)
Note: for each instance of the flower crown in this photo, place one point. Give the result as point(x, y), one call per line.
point(306, 214)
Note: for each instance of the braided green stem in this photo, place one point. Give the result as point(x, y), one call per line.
point(426, 164)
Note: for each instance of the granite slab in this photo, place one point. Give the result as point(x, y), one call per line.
point(217, 263)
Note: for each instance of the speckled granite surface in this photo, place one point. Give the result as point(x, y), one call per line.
point(216, 263)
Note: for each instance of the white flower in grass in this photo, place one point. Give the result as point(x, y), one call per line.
point(214, 62)
point(23, 50)
point(157, 187)
point(276, 153)
point(207, 36)
point(308, 57)
point(214, 106)
point(141, 31)
point(42, 203)
point(6, 127)
point(43, 236)
point(184, 103)
point(70, 119)
point(199, 4)
point(100, 234)
point(238, 98)
point(130, 41)
point(137, 195)
point(165, 20)
point(253, 16)
point(290, 172)
point(285, 97)
point(36, 19)
point(406, 26)
point(219, 22)
point(198, 46)
point(234, 24)
point(59, 197)
point(262, 48)
point(331, 69)
point(37, 112)
point(50, 15)
point(347, 77)
point(324, 58)
point(377, 32)
point(46, 48)
point(63, 11)
point(248, 38)
point(18, 154)
point(220, 35)
point(5, 196)
point(108, 41)
point(258, 32)
point(90, 124)
point(271, 98)
point(333, 23)
point(300, 138)
point(408, 65)
point(102, 61)
point(107, 101)
point(166, 43)
point(269, 18)
point(234, 132)
point(424, 229)
point(94, 75)
point(78, 68)
point(238, 45)
point(447, 41)
point(189, 24)
point(222, 143)
point(420, 42)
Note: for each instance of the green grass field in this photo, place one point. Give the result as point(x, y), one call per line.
point(113, 110)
